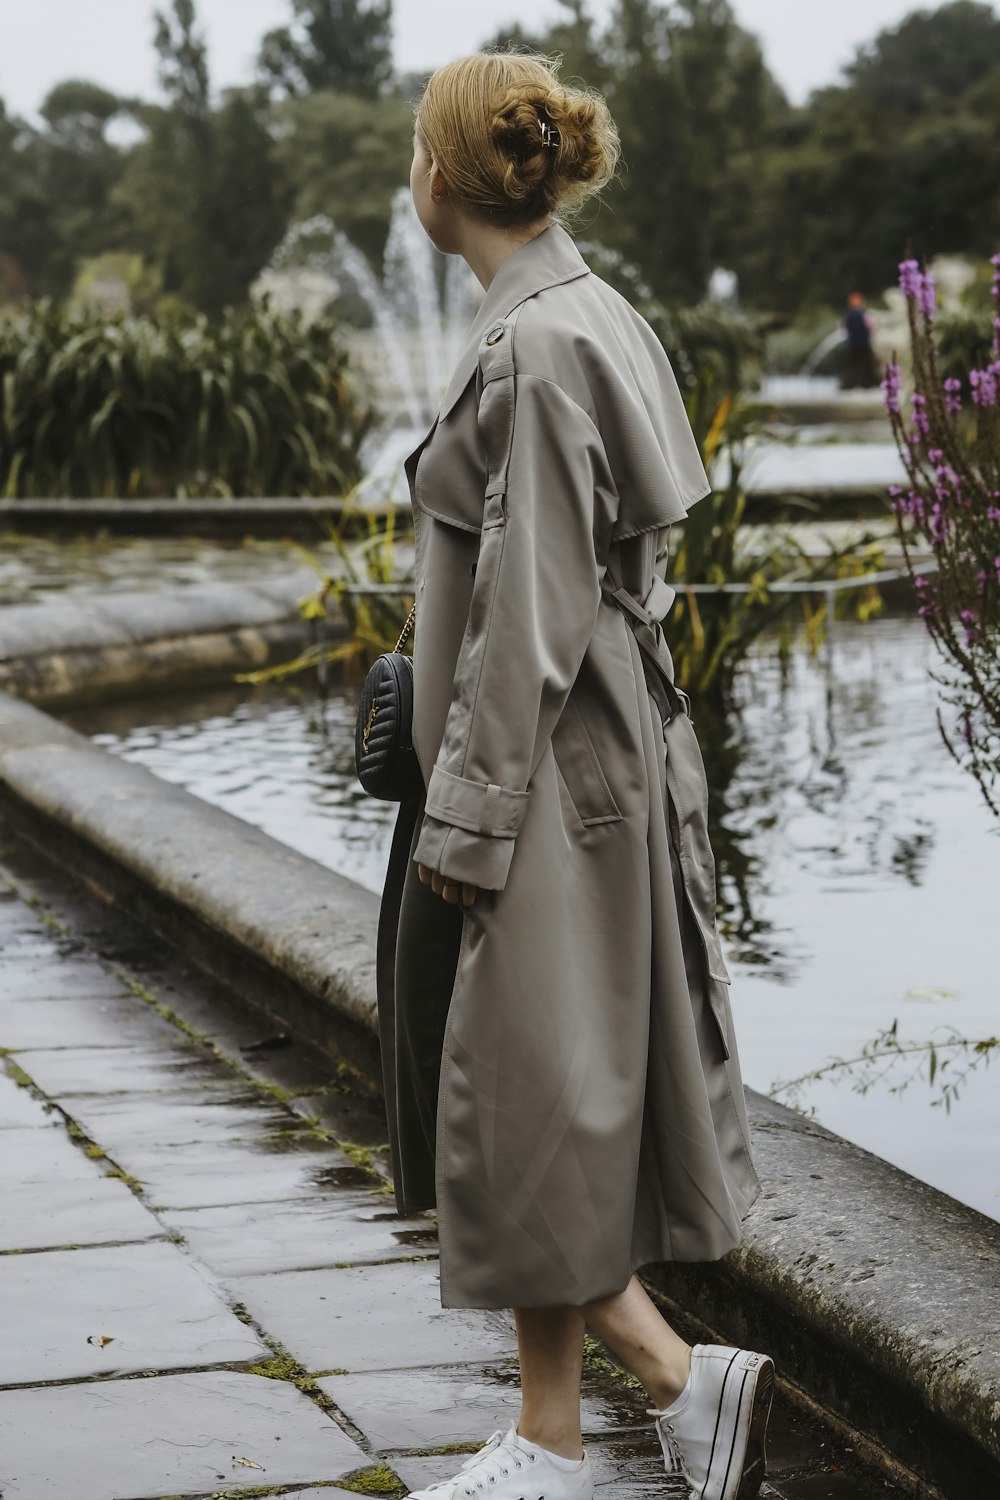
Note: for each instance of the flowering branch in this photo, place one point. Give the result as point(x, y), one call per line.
point(951, 452)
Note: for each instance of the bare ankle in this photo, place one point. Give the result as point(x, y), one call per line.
point(566, 1442)
point(671, 1379)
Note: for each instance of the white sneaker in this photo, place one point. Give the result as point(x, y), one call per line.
point(506, 1471)
point(716, 1439)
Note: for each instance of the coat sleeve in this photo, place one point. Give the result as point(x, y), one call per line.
point(550, 505)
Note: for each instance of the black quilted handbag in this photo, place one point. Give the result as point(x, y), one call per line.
point(386, 762)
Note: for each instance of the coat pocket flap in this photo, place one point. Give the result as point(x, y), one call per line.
point(581, 770)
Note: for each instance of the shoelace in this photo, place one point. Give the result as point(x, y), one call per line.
point(492, 1459)
point(679, 1481)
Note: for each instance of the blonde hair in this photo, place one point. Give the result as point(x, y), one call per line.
point(479, 119)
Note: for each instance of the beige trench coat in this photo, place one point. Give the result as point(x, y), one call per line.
point(561, 1074)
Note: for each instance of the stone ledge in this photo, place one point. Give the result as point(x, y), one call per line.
point(90, 644)
point(875, 1293)
point(300, 517)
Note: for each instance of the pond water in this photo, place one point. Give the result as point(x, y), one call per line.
point(859, 872)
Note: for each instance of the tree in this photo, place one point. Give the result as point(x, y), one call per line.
point(694, 102)
point(929, 60)
point(203, 190)
point(344, 45)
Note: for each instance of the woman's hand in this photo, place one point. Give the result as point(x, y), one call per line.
point(449, 889)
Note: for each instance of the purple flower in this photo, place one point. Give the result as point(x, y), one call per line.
point(927, 300)
point(910, 279)
point(952, 394)
point(920, 421)
point(984, 386)
point(971, 624)
point(927, 600)
point(891, 386)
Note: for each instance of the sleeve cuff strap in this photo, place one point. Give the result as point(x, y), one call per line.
point(477, 806)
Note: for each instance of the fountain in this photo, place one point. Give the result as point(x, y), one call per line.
point(421, 307)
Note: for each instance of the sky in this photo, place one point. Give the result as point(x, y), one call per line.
point(109, 42)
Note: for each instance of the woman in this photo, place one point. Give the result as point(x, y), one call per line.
point(560, 1068)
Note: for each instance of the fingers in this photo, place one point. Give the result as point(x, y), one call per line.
point(448, 889)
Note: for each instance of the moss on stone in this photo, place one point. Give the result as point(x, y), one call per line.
point(362, 1157)
point(130, 1182)
point(376, 1479)
point(450, 1448)
point(20, 1077)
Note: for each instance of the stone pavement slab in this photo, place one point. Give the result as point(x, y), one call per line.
point(19, 1107)
point(463, 1404)
point(160, 1312)
point(41, 1158)
point(196, 1175)
point(174, 1435)
point(176, 1067)
point(164, 1120)
point(94, 1211)
point(25, 1024)
point(302, 1234)
point(38, 978)
point(372, 1318)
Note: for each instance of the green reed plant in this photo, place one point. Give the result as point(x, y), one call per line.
point(373, 619)
point(255, 403)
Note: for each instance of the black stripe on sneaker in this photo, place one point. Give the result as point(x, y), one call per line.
point(718, 1415)
point(736, 1428)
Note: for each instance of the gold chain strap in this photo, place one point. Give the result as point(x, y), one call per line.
point(407, 627)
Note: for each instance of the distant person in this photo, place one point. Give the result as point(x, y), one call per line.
point(860, 368)
point(559, 1055)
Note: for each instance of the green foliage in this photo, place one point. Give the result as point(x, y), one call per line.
point(254, 403)
point(203, 194)
point(344, 45)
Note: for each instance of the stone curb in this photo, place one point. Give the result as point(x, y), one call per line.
point(875, 1293)
point(300, 517)
point(99, 644)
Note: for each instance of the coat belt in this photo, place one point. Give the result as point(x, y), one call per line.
point(657, 663)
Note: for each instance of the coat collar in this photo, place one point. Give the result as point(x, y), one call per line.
point(547, 260)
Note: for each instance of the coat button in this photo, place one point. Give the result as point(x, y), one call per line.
point(495, 334)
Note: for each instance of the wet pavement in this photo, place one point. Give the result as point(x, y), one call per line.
point(205, 1289)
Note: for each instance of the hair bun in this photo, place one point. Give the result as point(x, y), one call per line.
point(545, 146)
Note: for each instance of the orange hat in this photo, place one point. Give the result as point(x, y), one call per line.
point(856, 299)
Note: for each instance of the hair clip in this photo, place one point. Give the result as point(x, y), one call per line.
point(549, 133)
